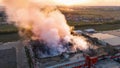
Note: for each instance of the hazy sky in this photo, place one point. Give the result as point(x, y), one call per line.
point(104, 2)
point(89, 2)
point(96, 2)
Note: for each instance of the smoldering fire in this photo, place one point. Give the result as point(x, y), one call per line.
point(41, 20)
point(42, 49)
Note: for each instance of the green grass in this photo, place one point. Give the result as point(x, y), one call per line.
point(98, 26)
point(102, 27)
point(94, 12)
point(4, 29)
point(8, 33)
point(9, 37)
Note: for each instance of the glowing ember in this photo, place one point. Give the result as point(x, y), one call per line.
point(39, 20)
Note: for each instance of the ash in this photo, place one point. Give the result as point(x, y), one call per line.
point(42, 49)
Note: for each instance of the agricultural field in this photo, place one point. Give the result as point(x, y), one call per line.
point(100, 27)
point(98, 18)
point(9, 37)
point(7, 29)
point(8, 33)
point(97, 26)
point(92, 14)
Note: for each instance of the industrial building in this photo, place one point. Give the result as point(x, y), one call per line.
point(108, 38)
point(12, 55)
point(100, 56)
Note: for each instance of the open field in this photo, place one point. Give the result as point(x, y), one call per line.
point(98, 26)
point(93, 11)
point(9, 37)
point(99, 18)
point(4, 29)
point(101, 27)
point(92, 14)
point(8, 33)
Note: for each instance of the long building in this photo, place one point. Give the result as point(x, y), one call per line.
point(90, 59)
point(108, 38)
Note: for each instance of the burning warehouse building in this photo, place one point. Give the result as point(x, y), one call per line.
point(52, 44)
point(91, 57)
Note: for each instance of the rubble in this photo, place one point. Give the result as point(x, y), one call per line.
point(96, 49)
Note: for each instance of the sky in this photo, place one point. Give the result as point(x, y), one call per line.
point(90, 2)
point(104, 2)
point(87, 2)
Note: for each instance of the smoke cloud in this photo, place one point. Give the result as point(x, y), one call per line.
point(41, 20)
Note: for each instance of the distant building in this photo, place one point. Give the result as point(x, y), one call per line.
point(78, 31)
point(110, 39)
point(90, 30)
point(13, 55)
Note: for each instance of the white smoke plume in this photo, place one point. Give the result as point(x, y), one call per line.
point(44, 22)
